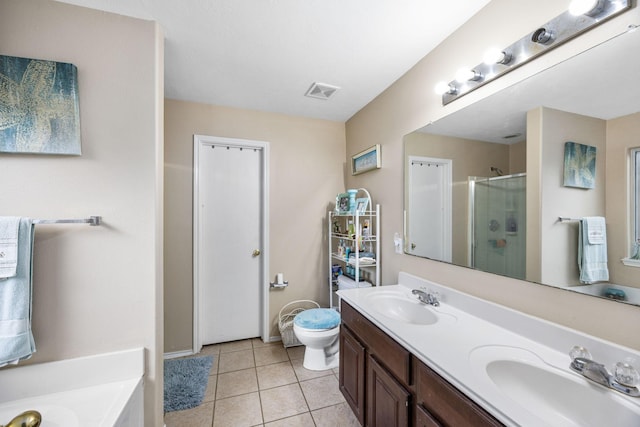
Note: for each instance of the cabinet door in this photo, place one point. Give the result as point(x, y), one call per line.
point(351, 377)
point(387, 400)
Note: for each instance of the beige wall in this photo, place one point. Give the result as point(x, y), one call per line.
point(622, 134)
point(95, 289)
point(518, 157)
point(307, 163)
point(410, 103)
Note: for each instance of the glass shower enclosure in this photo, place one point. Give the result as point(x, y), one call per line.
point(497, 224)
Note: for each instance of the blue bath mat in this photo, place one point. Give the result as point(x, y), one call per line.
point(185, 382)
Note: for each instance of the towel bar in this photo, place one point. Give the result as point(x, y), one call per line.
point(93, 220)
point(567, 219)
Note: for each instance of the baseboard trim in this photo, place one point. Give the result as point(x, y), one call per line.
point(176, 354)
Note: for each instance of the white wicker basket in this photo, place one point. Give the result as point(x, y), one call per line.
point(286, 316)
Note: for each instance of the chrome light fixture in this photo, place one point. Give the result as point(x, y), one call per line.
point(582, 16)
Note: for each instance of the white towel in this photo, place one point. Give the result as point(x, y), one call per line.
point(8, 246)
point(592, 250)
point(596, 231)
point(16, 338)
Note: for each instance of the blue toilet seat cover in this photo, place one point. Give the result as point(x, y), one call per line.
point(317, 318)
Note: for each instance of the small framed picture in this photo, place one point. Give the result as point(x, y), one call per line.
point(342, 204)
point(361, 205)
point(579, 165)
point(366, 160)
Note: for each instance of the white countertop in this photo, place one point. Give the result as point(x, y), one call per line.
point(470, 332)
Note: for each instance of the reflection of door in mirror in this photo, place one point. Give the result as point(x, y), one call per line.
point(430, 201)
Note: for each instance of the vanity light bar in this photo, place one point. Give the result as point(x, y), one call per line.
point(560, 29)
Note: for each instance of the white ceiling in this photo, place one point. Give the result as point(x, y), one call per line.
point(265, 54)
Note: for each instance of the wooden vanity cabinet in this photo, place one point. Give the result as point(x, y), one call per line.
point(352, 370)
point(438, 403)
point(386, 386)
point(375, 372)
point(424, 418)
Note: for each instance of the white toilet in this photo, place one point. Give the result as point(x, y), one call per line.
point(318, 329)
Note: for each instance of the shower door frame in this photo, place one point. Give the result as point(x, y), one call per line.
point(471, 238)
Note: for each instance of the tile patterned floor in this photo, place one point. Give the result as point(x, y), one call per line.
point(256, 384)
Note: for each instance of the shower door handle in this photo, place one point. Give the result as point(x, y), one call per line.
point(256, 252)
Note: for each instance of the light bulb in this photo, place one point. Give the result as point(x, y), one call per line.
point(496, 55)
point(492, 56)
point(582, 7)
point(443, 87)
point(464, 74)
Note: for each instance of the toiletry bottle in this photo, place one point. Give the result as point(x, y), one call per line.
point(352, 229)
point(365, 229)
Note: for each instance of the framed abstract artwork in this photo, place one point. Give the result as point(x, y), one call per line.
point(579, 165)
point(39, 111)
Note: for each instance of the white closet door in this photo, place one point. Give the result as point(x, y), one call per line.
point(229, 248)
point(429, 226)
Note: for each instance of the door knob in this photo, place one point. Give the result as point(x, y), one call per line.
point(256, 252)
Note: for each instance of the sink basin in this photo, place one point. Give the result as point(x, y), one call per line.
point(399, 307)
point(555, 396)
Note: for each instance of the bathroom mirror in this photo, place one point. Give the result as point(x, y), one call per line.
point(469, 198)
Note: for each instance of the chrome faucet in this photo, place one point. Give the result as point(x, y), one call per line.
point(430, 298)
point(598, 373)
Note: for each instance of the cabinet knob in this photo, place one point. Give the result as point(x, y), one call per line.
point(256, 252)
point(413, 246)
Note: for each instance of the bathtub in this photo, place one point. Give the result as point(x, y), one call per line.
point(103, 390)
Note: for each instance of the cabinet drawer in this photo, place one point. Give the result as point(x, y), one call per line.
point(446, 403)
point(392, 355)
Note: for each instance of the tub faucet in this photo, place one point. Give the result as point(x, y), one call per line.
point(26, 419)
point(430, 298)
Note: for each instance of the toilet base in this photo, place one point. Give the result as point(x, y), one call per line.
point(321, 347)
point(315, 359)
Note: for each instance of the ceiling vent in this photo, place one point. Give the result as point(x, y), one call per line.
point(321, 91)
